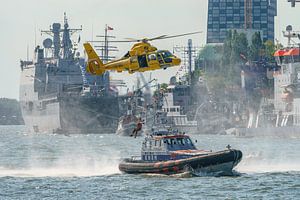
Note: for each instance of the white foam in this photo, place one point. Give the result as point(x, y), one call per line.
point(66, 167)
point(60, 171)
point(258, 163)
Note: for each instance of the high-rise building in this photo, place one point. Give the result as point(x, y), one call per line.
point(224, 15)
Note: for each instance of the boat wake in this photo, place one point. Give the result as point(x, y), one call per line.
point(259, 163)
point(80, 168)
point(189, 174)
point(58, 172)
point(179, 175)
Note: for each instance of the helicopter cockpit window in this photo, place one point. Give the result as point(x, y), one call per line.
point(166, 54)
point(127, 55)
point(151, 57)
point(160, 60)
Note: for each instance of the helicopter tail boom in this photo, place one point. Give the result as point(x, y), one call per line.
point(94, 63)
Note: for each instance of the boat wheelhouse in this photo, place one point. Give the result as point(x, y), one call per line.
point(164, 145)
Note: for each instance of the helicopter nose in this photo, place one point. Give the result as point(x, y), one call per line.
point(176, 61)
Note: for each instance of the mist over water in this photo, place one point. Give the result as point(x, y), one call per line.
point(71, 167)
point(271, 155)
point(260, 154)
point(48, 155)
point(261, 163)
point(86, 167)
point(41, 155)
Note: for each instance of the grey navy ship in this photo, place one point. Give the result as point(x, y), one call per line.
point(56, 93)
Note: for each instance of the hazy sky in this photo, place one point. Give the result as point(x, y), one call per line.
point(129, 18)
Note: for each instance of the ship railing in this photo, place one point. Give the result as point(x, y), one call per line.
point(49, 96)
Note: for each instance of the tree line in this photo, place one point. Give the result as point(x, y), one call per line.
point(221, 63)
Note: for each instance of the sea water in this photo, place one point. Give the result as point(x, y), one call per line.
point(52, 166)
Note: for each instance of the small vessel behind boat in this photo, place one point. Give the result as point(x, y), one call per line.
point(127, 124)
point(168, 152)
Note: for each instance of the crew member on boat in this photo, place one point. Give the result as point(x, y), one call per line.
point(138, 128)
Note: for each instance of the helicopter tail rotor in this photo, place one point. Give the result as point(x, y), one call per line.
point(94, 64)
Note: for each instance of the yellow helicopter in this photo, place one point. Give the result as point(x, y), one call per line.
point(142, 57)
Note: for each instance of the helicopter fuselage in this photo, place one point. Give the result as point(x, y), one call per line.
point(144, 62)
point(142, 57)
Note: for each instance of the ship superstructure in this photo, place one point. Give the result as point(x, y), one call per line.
point(287, 85)
point(56, 93)
point(175, 103)
point(280, 116)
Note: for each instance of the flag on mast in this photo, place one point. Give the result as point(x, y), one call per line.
point(110, 28)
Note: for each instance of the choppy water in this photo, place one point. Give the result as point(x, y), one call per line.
point(47, 166)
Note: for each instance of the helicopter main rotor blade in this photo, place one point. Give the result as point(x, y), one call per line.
point(173, 36)
point(161, 37)
point(157, 38)
point(132, 39)
point(111, 41)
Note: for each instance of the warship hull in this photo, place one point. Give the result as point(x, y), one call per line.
point(37, 116)
point(58, 95)
point(89, 114)
point(66, 113)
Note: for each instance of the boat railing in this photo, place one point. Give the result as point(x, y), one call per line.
point(164, 132)
point(135, 158)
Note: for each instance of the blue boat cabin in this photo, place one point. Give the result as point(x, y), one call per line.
point(162, 146)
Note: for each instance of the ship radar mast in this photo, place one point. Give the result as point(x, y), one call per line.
point(293, 2)
point(290, 34)
point(62, 48)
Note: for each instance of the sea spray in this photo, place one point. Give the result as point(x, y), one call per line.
point(262, 162)
point(47, 155)
point(260, 154)
point(79, 167)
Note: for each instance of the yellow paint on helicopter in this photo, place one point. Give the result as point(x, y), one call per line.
point(141, 57)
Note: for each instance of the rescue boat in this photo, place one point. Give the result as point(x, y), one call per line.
point(170, 152)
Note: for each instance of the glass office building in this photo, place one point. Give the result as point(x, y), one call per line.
point(224, 15)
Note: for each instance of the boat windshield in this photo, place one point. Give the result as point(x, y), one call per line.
point(182, 143)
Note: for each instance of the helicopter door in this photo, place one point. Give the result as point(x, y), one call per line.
point(152, 60)
point(142, 61)
point(160, 60)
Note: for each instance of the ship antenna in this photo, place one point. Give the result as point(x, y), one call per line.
point(34, 35)
point(27, 52)
point(65, 18)
point(92, 31)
